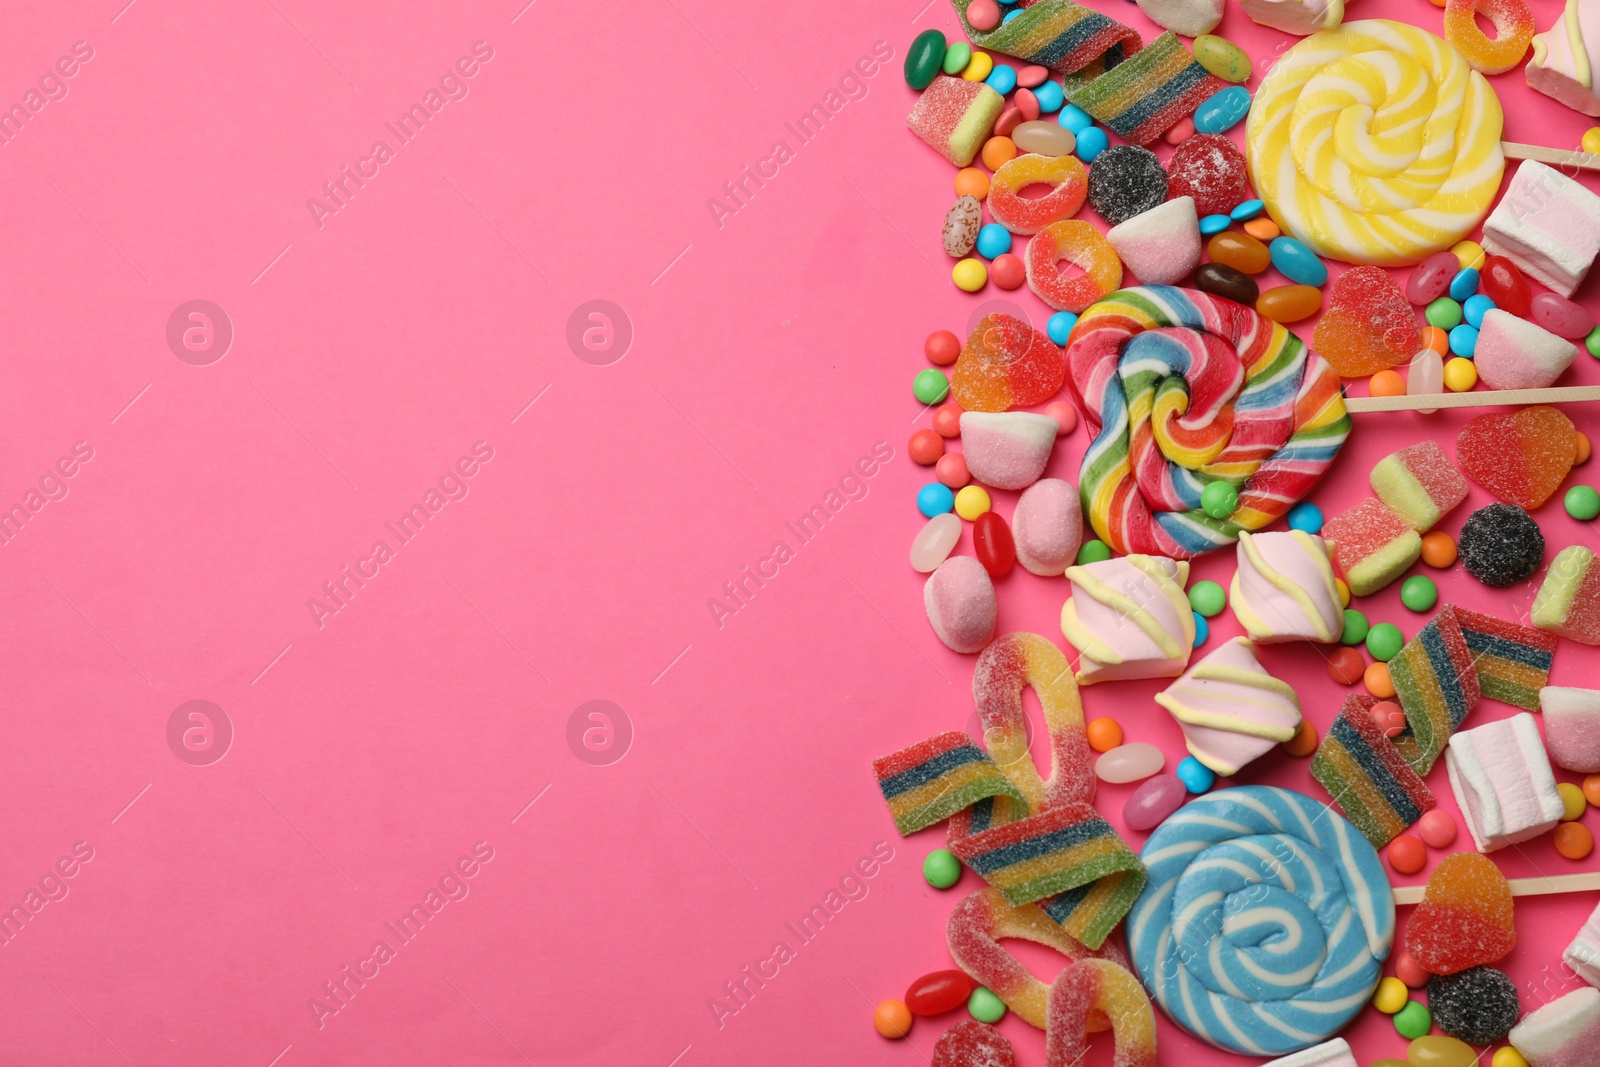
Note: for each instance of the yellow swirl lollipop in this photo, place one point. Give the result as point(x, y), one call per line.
point(1375, 142)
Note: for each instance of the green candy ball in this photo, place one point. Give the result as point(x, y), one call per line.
point(1207, 598)
point(1444, 313)
point(1219, 499)
point(1355, 627)
point(941, 868)
point(1385, 641)
point(956, 57)
point(1420, 594)
point(1413, 1020)
point(1093, 552)
point(1583, 502)
point(985, 1007)
point(930, 386)
point(1592, 342)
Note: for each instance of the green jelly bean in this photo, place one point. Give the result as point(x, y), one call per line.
point(924, 58)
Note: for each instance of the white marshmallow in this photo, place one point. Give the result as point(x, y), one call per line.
point(1335, 1053)
point(1188, 17)
point(1160, 246)
point(1514, 353)
point(1548, 225)
point(1503, 783)
point(1563, 1033)
point(1007, 449)
point(1572, 727)
point(1299, 17)
point(1583, 955)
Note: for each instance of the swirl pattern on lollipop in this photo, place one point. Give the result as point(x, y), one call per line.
point(1265, 923)
point(1375, 142)
point(1184, 389)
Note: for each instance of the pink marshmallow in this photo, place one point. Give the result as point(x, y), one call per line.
point(1160, 246)
point(1548, 225)
point(1007, 449)
point(1047, 527)
point(1514, 353)
point(960, 601)
point(1563, 1033)
point(1572, 727)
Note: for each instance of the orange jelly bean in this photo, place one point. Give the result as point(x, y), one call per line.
point(1387, 383)
point(1304, 742)
point(1436, 339)
point(1574, 841)
point(1584, 449)
point(1438, 549)
point(1290, 303)
point(998, 150)
point(1378, 682)
point(1239, 251)
point(970, 181)
point(1262, 229)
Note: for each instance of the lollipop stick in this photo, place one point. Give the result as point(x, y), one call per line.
point(1520, 887)
point(1488, 398)
point(1554, 156)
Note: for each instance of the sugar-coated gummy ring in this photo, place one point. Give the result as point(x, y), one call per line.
point(1513, 32)
point(1182, 389)
point(1248, 867)
point(1082, 245)
point(1067, 177)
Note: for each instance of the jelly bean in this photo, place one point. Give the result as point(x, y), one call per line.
point(983, 15)
point(1202, 629)
point(951, 470)
point(1222, 112)
point(1420, 594)
point(1222, 57)
point(1104, 734)
point(941, 991)
point(1093, 551)
point(1297, 262)
point(1007, 271)
point(1444, 313)
point(892, 1019)
point(972, 181)
point(1091, 142)
point(978, 67)
point(1410, 971)
point(1431, 278)
point(1196, 776)
point(942, 347)
point(1032, 75)
point(992, 543)
point(930, 386)
point(993, 240)
point(985, 1007)
point(1181, 132)
point(956, 57)
point(1437, 829)
point(1027, 102)
point(1572, 800)
point(924, 58)
point(1469, 254)
point(1407, 855)
point(1379, 683)
point(1464, 340)
point(1437, 1050)
point(1475, 308)
point(970, 275)
point(925, 448)
point(1582, 502)
point(972, 501)
point(1219, 279)
point(1002, 79)
point(1346, 666)
point(1262, 229)
point(1009, 120)
point(1306, 516)
point(998, 151)
point(1413, 1020)
point(1058, 328)
point(1386, 383)
point(1153, 801)
point(1390, 997)
point(1207, 598)
point(934, 543)
point(1289, 303)
point(1044, 138)
point(1503, 283)
point(1561, 316)
point(1304, 741)
point(1247, 210)
point(1239, 251)
point(1356, 628)
point(1463, 284)
point(935, 499)
point(1214, 224)
point(1050, 96)
point(1074, 118)
point(947, 420)
point(1062, 411)
point(1218, 499)
point(942, 870)
point(1460, 375)
point(1129, 763)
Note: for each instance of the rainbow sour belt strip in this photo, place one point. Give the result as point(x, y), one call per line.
point(932, 780)
point(1367, 776)
point(1143, 97)
point(1057, 34)
point(1437, 686)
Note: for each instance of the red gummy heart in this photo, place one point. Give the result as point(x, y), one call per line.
point(970, 1043)
point(1368, 325)
point(1465, 918)
point(1520, 457)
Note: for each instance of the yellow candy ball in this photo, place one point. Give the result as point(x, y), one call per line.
point(970, 275)
point(972, 501)
point(1591, 140)
point(1508, 1057)
point(978, 67)
point(1344, 592)
point(1391, 996)
point(1573, 800)
point(1459, 375)
point(1469, 254)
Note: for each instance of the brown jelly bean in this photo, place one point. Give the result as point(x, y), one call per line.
point(1290, 303)
point(1239, 251)
point(1218, 279)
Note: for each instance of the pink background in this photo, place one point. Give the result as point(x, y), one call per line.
point(372, 752)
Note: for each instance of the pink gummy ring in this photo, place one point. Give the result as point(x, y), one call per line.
point(1513, 32)
point(1085, 247)
point(1069, 183)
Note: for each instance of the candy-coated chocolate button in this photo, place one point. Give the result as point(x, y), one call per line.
point(1306, 516)
point(942, 870)
point(985, 1007)
point(1207, 598)
point(1391, 996)
point(1002, 79)
point(1413, 1020)
point(1196, 776)
point(1464, 284)
point(1583, 502)
point(1574, 841)
point(1105, 735)
point(1346, 666)
point(1384, 641)
point(1093, 551)
point(1407, 855)
point(956, 57)
point(972, 501)
point(978, 67)
point(1444, 313)
point(1573, 801)
point(1304, 742)
point(892, 1019)
point(1219, 499)
point(1419, 593)
point(1356, 628)
point(930, 386)
point(1438, 830)
point(1469, 254)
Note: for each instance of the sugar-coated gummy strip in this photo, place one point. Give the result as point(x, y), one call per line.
point(1143, 97)
point(1099, 985)
point(1436, 683)
point(1513, 661)
point(934, 779)
point(1265, 921)
point(1057, 34)
point(1367, 776)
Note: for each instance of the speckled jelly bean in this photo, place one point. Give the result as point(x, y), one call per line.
point(1075, 118)
point(1002, 79)
point(1474, 308)
point(1464, 341)
point(1222, 57)
point(1091, 142)
point(1430, 279)
point(1212, 224)
point(1561, 316)
point(993, 240)
point(1297, 262)
point(1223, 111)
point(1464, 284)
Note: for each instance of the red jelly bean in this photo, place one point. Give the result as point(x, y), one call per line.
point(1430, 278)
point(1503, 283)
point(939, 992)
point(1561, 316)
point(993, 545)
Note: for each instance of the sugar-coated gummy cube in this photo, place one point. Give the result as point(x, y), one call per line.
point(1419, 484)
point(955, 116)
point(1568, 602)
point(1372, 545)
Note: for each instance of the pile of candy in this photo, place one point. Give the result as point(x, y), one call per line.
point(1258, 919)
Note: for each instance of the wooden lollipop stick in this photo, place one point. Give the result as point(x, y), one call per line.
point(1488, 398)
point(1520, 887)
point(1554, 156)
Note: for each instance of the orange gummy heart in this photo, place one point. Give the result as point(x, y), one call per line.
point(1521, 457)
point(1006, 364)
point(1465, 918)
point(1368, 325)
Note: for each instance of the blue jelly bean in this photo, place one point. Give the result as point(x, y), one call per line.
point(1091, 142)
point(1464, 284)
point(1247, 211)
point(1060, 325)
point(1307, 517)
point(1075, 118)
point(1195, 776)
point(935, 499)
point(1223, 111)
point(1050, 97)
point(1214, 224)
point(1002, 79)
point(1297, 262)
point(993, 240)
point(1464, 340)
point(1202, 629)
point(1474, 308)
